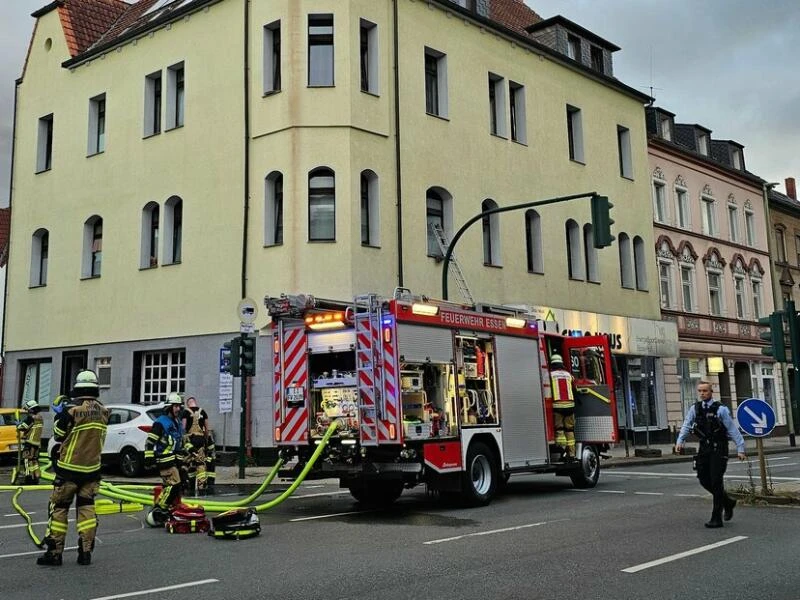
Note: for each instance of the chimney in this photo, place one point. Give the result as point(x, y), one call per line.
point(791, 190)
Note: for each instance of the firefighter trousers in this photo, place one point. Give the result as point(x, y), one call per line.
point(86, 523)
point(30, 462)
point(564, 425)
point(170, 495)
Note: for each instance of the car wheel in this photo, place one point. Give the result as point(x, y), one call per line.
point(479, 480)
point(588, 473)
point(130, 462)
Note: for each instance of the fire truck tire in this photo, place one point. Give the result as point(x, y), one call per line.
point(480, 479)
point(377, 493)
point(589, 472)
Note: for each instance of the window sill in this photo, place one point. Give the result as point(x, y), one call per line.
point(369, 93)
point(628, 177)
point(593, 282)
point(151, 135)
point(149, 268)
point(321, 85)
point(577, 162)
point(174, 128)
point(499, 136)
point(88, 277)
point(44, 170)
point(435, 116)
point(535, 272)
point(492, 265)
point(372, 246)
point(645, 290)
point(95, 154)
point(322, 241)
point(271, 93)
point(580, 279)
point(520, 142)
point(276, 245)
point(172, 264)
point(38, 285)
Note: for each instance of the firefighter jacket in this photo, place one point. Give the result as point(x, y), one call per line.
point(164, 441)
point(30, 430)
point(81, 431)
point(562, 383)
point(195, 427)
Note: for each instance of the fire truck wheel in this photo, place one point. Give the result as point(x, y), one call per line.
point(377, 493)
point(589, 472)
point(479, 480)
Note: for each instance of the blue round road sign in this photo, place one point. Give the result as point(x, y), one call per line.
point(755, 417)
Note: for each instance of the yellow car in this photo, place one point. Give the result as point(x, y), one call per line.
point(9, 417)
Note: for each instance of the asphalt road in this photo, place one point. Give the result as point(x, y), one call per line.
point(638, 534)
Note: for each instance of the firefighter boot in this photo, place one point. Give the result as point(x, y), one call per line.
point(84, 558)
point(50, 559)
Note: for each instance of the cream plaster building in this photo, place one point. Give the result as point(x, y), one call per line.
point(172, 157)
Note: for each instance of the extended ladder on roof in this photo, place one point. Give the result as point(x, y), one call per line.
point(454, 268)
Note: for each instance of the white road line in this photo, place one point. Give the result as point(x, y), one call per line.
point(156, 590)
point(352, 512)
point(691, 495)
point(666, 559)
point(493, 531)
point(339, 493)
point(684, 475)
point(18, 525)
point(576, 490)
point(611, 492)
point(649, 493)
point(17, 514)
point(33, 552)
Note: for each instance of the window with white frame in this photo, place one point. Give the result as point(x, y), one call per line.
point(150, 226)
point(763, 381)
point(625, 261)
point(369, 57)
point(152, 104)
point(102, 367)
point(590, 254)
point(97, 125)
point(624, 150)
point(659, 201)
point(682, 201)
point(272, 57)
point(750, 227)
point(758, 309)
point(273, 209)
point(92, 261)
point(687, 288)
point(40, 250)
point(320, 50)
point(780, 245)
point(44, 144)
point(497, 105)
point(715, 298)
point(438, 217)
point(666, 129)
point(435, 83)
point(733, 222)
point(370, 209)
point(574, 47)
point(708, 214)
point(740, 295)
point(797, 247)
point(321, 205)
point(737, 159)
point(491, 234)
point(533, 241)
point(162, 372)
point(173, 230)
point(640, 263)
point(516, 93)
point(575, 133)
point(702, 144)
point(575, 266)
point(665, 283)
point(176, 105)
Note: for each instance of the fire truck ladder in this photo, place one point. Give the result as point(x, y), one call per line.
point(454, 267)
point(369, 362)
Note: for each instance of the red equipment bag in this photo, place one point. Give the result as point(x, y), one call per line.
point(188, 519)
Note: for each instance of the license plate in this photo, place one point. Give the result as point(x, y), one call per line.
point(295, 396)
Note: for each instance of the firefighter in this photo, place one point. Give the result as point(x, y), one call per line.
point(59, 403)
point(562, 384)
point(712, 422)
point(211, 462)
point(29, 432)
point(195, 425)
point(165, 445)
point(79, 432)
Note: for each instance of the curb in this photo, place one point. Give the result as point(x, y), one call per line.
point(615, 462)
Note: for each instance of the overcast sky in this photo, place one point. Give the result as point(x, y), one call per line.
point(732, 66)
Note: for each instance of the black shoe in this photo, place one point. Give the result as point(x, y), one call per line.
point(50, 559)
point(84, 558)
point(714, 523)
point(729, 510)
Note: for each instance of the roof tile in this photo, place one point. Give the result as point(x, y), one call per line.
point(85, 21)
point(514, 14)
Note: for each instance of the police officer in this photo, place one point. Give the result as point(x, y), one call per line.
point(562, 386)
point(165, 445)
point(79, 432)
point(29, 432)
point(712, 422)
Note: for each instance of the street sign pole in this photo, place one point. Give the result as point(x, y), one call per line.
point(242, 426)
point(762, 465)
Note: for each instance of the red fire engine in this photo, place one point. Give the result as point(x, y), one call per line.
point(456, 397)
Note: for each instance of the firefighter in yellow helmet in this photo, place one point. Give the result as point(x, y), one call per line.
point(29, 432)
point(79, 432)
point(165, 445)
point(562, 385)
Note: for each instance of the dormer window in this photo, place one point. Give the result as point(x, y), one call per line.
point(666, 129)
point(597, 59)
point(574, 47)
point(702, 144)
point(737, 159)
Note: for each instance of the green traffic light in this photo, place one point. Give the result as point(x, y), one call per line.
point(602, 221)
point(248, 355)
point(774, 335)
point(231, 360)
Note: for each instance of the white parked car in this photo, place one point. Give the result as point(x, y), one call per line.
point(128, 426)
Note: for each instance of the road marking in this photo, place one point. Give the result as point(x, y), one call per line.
point(692, 475)
point(576, 490)
point(493, 531)
point(156, 590)
point(17, 514)
point(691, 495)
point(339, 493)
point(25, 524)
point(33, 552)
point(649, 493)
point(666, 559)
point(352, 512)
point(611, 492)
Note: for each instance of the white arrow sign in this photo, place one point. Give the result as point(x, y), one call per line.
point(757, 421)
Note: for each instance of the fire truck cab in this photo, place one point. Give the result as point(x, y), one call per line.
point(456, 397)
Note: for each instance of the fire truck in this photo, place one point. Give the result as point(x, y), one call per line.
point(430, 392)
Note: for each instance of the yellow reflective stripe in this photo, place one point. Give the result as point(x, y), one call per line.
point(84, 525)
point(595, 394)
point(58, 527)
point(79, 468)
point(149, 454)
point(86, 426)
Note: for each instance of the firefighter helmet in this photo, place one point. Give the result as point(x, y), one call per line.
point(555, 359)
point(32, 404)
point(174, 398)
point(86, 380)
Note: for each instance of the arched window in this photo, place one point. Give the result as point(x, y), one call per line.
point(150, 226)
point(491, 234)
point(625, 262)
point(173, 230)
point(40, 249)
point(640, 263)
point(321, 205)
point(92, 247)
point(533, 241)
point(273, 209)
point(438, 217)
point(574, 258)
point(590, 253)
point(370, 209)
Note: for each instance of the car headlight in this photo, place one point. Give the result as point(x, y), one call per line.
point(13, 446)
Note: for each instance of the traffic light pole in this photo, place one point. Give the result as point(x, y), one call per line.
point(449, 254)
point(794, 344)
point(242, 426)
